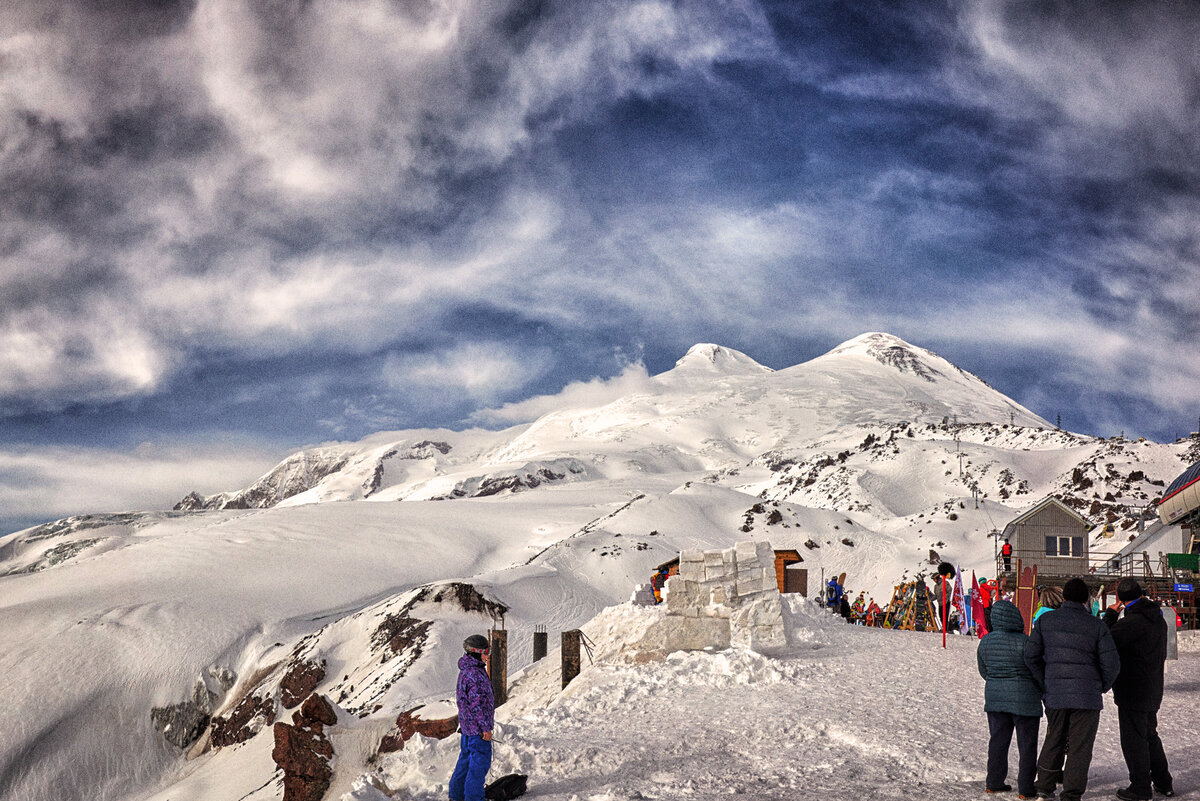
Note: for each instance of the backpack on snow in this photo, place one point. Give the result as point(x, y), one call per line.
point(506, 787)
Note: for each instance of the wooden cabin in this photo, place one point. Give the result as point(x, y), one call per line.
point(1052, 536)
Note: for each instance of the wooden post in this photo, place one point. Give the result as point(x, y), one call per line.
point(498, 664)
point(945, 611)
point(570, 655)
point(540, 643)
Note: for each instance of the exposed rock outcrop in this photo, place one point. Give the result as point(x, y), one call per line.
point(183, 723)
point(247, 719)
point(303, 751)
point(409, 724)
point(302, 677)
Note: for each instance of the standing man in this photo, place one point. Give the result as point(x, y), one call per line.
point(1073, 656)
point(476, 716)
point(1006, 552)
point(1141, 639)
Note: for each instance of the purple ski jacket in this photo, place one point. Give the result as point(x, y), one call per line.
point(476, 704)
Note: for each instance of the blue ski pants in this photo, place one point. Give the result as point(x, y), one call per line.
point(474, 762)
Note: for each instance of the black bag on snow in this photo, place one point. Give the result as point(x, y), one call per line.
point(506, 787)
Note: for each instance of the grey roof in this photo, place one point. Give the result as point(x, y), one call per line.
point(1039, 506)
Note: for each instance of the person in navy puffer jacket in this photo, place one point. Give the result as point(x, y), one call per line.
point(1141, 638)
point(476, 717)
point(1073, 656)
point(1012, 699)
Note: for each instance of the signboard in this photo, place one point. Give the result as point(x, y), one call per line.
point(1171, 620)
point(1185, 588)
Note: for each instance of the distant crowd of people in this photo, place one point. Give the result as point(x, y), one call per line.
point(862, 611)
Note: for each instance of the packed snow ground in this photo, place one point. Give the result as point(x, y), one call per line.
point(847, 713)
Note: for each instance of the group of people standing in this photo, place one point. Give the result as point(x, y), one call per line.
point(1066, 663)
point(862, 612)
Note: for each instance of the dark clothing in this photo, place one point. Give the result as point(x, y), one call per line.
point(1001, 726)
point(1073, 656)
point(1141, 640)
point(1143, 750)
point(1070, 734)
point(1000, 657)
point(470, 773)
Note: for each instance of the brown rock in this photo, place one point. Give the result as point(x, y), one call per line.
point(304, 756)
point(409, 724)
point(236, 727)
point(301, 679)
point(317, 708)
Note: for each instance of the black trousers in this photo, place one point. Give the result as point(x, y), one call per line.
point(1001, 725)
point(1070, 735)
point(1143, 751)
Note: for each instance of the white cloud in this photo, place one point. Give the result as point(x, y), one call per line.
point(576, 395)
point(482, 371)
point(52, 482)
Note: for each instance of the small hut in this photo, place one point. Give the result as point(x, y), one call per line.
point(1052, 536)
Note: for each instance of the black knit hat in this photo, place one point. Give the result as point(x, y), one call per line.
point(1076, 590)
point(1128, 589)
point(476, 644)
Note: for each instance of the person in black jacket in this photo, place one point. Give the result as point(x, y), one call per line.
point(1141, 640)
point(1072, 655)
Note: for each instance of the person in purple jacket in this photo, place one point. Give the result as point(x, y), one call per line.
point(476, 716)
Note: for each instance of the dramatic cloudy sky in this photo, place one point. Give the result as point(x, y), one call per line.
point(230, 228)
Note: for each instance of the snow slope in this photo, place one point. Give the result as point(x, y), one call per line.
point(863, 460)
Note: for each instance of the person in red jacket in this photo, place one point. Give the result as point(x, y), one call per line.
point(1006, 552)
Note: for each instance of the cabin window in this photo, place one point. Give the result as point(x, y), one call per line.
point(1064, 546)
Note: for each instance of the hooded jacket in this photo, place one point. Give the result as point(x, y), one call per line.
point(476, 704)
point(1141, 640)
point(1001, 657)
point(1073, 656)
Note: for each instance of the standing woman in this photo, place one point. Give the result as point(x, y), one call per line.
point(1012, 700)
point(1050, 599)
point(476, 717)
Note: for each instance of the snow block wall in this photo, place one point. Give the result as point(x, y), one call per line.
point(737, 585)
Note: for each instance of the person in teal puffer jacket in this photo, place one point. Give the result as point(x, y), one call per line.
point(1012, 700)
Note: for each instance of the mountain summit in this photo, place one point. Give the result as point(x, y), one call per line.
point(895, 352)
point(717, 359)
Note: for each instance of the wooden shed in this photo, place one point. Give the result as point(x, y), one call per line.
point(795, 579)
point(1052, 536)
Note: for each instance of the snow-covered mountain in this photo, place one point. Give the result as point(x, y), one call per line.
point(148, 652)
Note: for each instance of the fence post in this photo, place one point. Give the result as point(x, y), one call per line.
point(498, 664)
point(540, 643)
point(570, 655)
